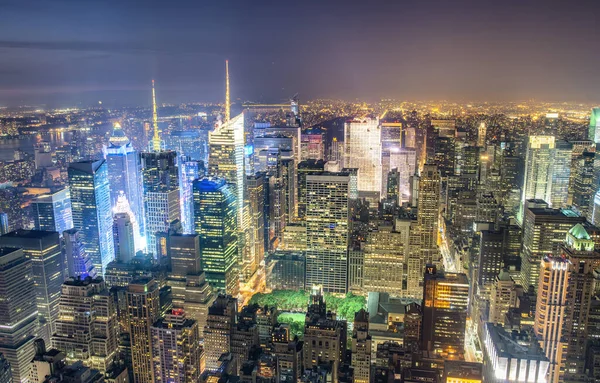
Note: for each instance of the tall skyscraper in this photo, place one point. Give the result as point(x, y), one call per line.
point(324, 336)
point(90, 201)
point(184, 250)
point(544, 230)
point(594, 129)
point(52, 212)
point(361, 347)
point(561, 172)
point(47, 270)
point(503, 296)
point(124, 172)
point(18, 315)
point(584, 260)
point(78, 262)
point(160, 180)
point(87, 326)
point(424, 249)
point(537, 182)
point(226, 158)
point(176, 350)
point(445, 302)
point(215, 217)
point(584, 186)
point(217, 332)
point(385, 252)
point(327, 231)
point(550, 311)
point(305, 168)
point(256, 207)
point(362, 150)
point(123, 234)
point(143, 307)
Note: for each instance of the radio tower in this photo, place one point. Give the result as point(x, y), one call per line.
point(227, 102)
point(156, 137)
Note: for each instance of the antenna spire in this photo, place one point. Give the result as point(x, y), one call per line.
point(156, 137)
point(227, 102)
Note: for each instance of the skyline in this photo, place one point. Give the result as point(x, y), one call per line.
point(464, 51)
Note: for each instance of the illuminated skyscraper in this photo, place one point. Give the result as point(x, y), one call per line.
point(47, 266)
point(584, 187)
point(424, 249)
point(385, 252)
point(176, 350)
point(544, 231)
point(579, 249)
point(87, 327)
point(361, 347)
point(124, 172)
point(445, 302)
point(550, 311)
point(78, 262)
point(52, 212)
point(327, 228)
point(217, 332)
point(143, 311)
point(561, 171)
point(503, 296)
point(362, 150)
point(537, 182)
point(185, 254)
point(18, 315)
point(256, 205)
point(215, 222)
point(123, 234)
point(188, 172)
point(160, 181)
point(92, 214)
point(305, 168)
point(594, 129)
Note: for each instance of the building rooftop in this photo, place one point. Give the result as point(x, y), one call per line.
point(515, 344)
point(30, 234)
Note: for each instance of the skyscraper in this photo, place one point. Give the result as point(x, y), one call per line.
point(176, 350)
point(544, 230)
point(550, 311)
point(217, 332)
point(143, 311)
point(385, 252)
point(87, 326)
point(47, 270)
point(424, 248)
point(561, 171)
point(579, 249)
point(327, 228)
point(256, 207)
point(124, 172)
point(123, 234)
point(362, 145)
point(52, 212)
point(537, 182)
point(184, 250)
point(584, 187)
point(226, 158)
point(78, 262)
point(18, 315)
point(305, 168)
point(215, 217)
point(503, 296)
point(445, 301)
point(361, 347)
point(594, 129)
point(90, 200)
point(160, 180)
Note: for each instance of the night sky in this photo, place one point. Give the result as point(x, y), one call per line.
point(67, 52)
